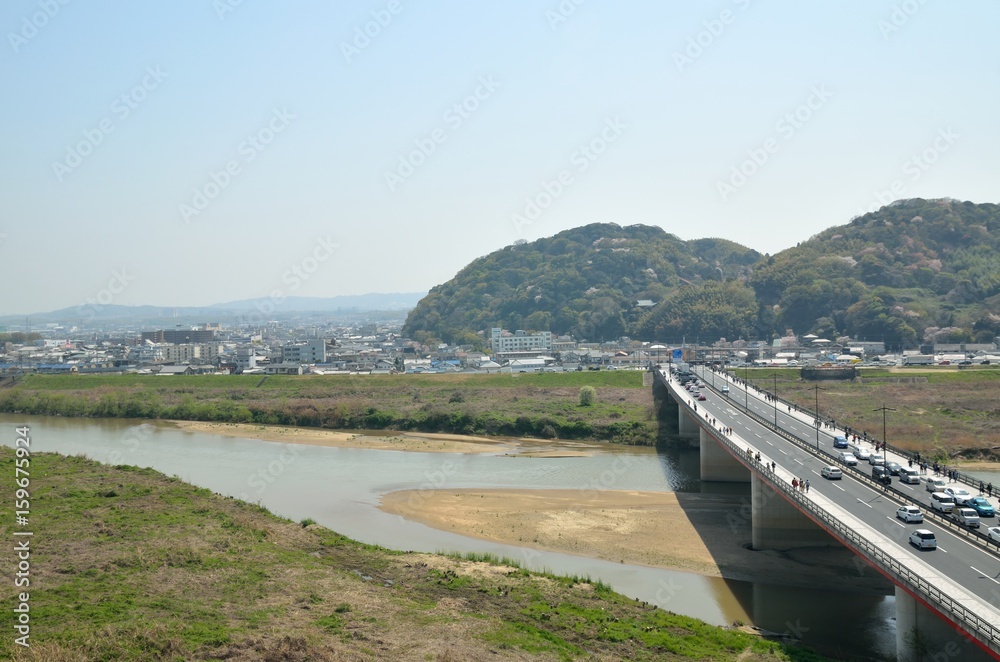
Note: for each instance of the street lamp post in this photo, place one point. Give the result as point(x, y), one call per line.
point(884, 409)
point(746, 386)
point(774, 397)
point(816, 390)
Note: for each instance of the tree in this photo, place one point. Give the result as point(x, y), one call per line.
point(587, 395)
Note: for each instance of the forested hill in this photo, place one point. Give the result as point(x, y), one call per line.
point(585, 281)
point(913, 270)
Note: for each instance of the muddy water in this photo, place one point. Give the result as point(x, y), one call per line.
point(340, 488)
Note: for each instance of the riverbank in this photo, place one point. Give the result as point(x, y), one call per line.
point(707, 534)
point(129, 564)
point(541, 405)
point(423, 442)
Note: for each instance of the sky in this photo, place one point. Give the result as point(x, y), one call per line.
point(193, 152)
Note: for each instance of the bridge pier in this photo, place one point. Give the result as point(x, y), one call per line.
point(923, 636)
point(718, 464)
point(777, 524)
point(686, 425)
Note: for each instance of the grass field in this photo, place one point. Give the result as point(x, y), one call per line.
point(128, 564)
point(944, 413)
point(542, 405)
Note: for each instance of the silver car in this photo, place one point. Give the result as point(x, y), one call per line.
point(848, 458)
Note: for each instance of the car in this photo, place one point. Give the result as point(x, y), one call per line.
point(893, 468)
point(882, 475)
point(910, 514)
point(993, 533)
point(701, 396)
point(941, 502)
point(981, 506)
point(965, 517)
point(725, 388)
point(840, 441)
point(848, 459)
point(934, 484)
point(923, 539)
point(861, 452)
point(876, 461)
point(911, 476)
point(831, 473)
point(959, 494)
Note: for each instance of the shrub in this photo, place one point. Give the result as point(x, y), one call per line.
point(587, 395)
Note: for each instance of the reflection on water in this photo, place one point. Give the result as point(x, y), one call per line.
point(341, 487)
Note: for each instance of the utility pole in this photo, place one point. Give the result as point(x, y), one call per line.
point(883, 409)
point(817, 389)
point(774, 397)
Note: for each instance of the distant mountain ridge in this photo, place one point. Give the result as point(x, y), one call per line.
point(916, 270)
point(352, 302)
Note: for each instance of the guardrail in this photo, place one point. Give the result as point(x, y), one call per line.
point(985, 631)
point(902, 497)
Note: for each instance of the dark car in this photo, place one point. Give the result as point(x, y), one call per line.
point(893, 468)
point(882, 475)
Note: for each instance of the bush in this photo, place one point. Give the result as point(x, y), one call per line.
point(587, 395)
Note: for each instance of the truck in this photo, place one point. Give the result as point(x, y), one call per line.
point(918, 359)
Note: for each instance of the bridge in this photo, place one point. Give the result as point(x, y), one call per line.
point(946, 599)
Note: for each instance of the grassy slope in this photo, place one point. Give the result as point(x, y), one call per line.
point(542, 405)
point(941, 412)
point(128, 564)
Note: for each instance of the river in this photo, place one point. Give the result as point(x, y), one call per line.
point(341, 488)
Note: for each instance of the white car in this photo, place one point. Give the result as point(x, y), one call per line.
point(923, 539)
point(993, 533)
point(848, 459)
point(959, 494)
point(831, 472)
point(934, 484)
point(862, 453)
point(910, 514)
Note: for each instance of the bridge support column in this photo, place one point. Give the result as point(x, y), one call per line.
point(923, 636)
point(777, 524)
point(686, 425)
point(717, 464)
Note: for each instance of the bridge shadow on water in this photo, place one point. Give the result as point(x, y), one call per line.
point(824, 596)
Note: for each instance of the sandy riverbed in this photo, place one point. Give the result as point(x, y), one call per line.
point(706, 534)
point(426, 442)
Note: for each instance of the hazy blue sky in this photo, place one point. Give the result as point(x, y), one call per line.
point(188, 153)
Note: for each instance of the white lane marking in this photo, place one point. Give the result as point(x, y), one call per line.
point(984, 574)
point(768, 442)
point(798, 460)
point(942, 549)
point(864, 504)
point(839, 487)
point(896, 520)
point(782, 452)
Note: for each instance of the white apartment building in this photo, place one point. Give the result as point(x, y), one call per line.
point(504, 342)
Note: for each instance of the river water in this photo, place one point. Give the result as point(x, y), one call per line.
point(341, 488)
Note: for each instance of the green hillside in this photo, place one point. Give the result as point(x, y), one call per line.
point(914, 270)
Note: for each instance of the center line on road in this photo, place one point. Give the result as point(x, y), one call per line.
point(768, 442)
point(943, 549)
point(781, 451)
point(984, 574)
point(864, 504)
